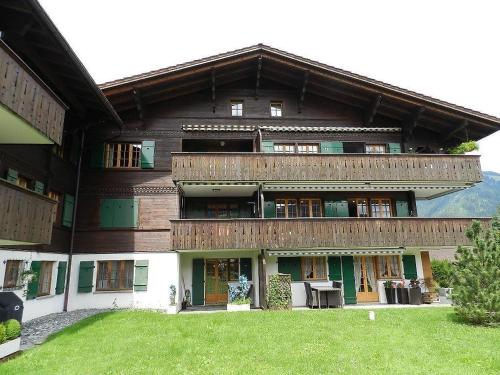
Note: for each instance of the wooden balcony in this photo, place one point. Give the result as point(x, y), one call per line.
point(264, 167)
point(24, 94)
point(26, 216)
point(315, 233)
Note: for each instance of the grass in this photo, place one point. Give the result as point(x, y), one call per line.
point(399, 341)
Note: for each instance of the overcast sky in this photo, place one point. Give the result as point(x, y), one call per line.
point(446, 49)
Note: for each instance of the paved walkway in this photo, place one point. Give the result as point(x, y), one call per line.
point(37, 330)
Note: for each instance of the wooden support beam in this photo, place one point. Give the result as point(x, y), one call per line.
point(257, 82)
point(462, 126)
point(372, 111)
point(303, 90)
point(412, 123)
point(138, 103)
point(213, 90)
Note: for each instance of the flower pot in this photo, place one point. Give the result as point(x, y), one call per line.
point(390, 295)
point(403, 297)
point(415, 296)
point(429, 297)
point(235, 307)
point(10, 347)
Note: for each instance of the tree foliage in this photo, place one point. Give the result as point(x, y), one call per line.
point(442, 271)
point(476, 292)
point(464, 147)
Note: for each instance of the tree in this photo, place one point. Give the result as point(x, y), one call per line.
point(476, 292)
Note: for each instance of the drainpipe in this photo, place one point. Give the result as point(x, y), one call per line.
point(259, 137)
point(72, 238)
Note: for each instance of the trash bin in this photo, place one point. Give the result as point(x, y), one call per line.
point(11, 307)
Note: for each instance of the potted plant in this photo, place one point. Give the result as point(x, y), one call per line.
point(172, 307)
point(238, 300)
point(415, 292)
point(186, 301)
point(402, 293)
point(390, 292)
point(10, 340)
point(430, 295)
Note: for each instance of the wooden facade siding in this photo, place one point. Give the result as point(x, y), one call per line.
point(318, 233)
point(212, 167)
point(26, 216)
point(23, 92)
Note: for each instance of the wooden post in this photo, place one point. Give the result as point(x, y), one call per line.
point(262, 281)
point(426, 264)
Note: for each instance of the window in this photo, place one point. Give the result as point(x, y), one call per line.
point(375, 149)
point(223, 210)
point(23, 182)
point(381, 207)
point(310, 207)
point(59, 206)
point(286, 208)
point(313, 268)
point(362, 207)
point(115, 275)
point(276, 109)
point(234, 269)
point(13, 270)
point(237, 108)
point(123, 155)
point(308, 148)
point(388, 266)
point(284, 148)
point(45, 278)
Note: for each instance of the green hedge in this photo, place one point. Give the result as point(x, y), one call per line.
point(279, 293)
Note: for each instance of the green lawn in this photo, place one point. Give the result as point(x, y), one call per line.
point(400, 341)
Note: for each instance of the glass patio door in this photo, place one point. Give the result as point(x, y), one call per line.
point(216, 281)
point(365, 279)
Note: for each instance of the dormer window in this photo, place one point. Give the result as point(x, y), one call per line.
point(276, 109)
point(237, 108)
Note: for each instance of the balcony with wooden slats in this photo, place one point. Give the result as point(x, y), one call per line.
point(30, 112)
point(264, 167)
point(317, 233)
point(26, 217)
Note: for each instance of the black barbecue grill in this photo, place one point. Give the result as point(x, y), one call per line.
point(11, 307)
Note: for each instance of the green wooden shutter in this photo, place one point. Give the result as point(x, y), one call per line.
point(148, 154)
point(336, 209)
point(32, 291)
point(409, 267)
point(246, 268)
point(394, 148)
point(291, 266)
point(86, 276)
point(269, 209)
point(12, 176)
point(97, 156)
point(67, 216)
point(402, 209)
point(39, 187)
point(334, 268)
point(267, 146)
point(141, 275)
point(348, 280)
point(61, 277)
point(125, 212)
point(198, 291)
point(106, 213)
point(334, 147)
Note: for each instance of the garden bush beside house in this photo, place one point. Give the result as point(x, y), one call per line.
point(279, 293)
point(10, 333)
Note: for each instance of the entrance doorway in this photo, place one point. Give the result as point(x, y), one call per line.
point(366, 279)
point(218, 273)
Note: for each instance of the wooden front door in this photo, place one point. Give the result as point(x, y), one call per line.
point(366, 291)
point(216, 281)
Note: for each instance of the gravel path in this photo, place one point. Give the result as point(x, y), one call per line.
point(35, 331)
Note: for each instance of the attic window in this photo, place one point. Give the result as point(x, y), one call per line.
point(237, 108)
point(276, 109)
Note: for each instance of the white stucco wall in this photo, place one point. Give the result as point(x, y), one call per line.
point(186, 260)
point(163, 271)
point(39, 306)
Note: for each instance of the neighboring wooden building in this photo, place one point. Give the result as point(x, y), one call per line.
point(253, 162)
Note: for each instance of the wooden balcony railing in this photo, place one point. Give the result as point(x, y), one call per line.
point(25, 216)
point(262, 167)
point(24, 93)
point(318, 233)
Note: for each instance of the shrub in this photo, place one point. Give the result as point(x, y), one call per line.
point(279, 294)
point(476, 292)
point(442, 270)
point(464, 147)
point(12, 329)
point(3, 337)
point(238, 294)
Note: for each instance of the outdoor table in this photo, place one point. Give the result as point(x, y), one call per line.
point(326, 289)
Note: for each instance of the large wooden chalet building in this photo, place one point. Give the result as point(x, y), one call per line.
point(251, 162)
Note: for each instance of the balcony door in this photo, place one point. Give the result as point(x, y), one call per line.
point(365, 279)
